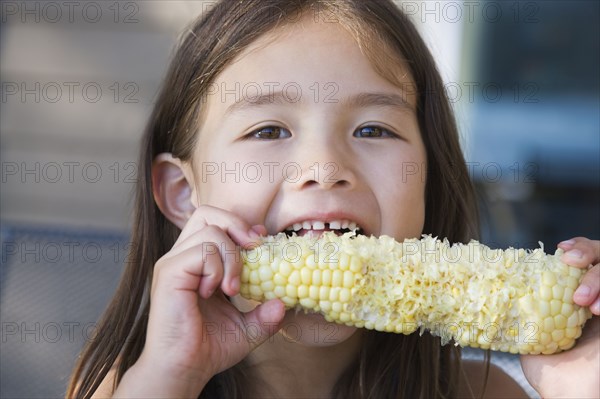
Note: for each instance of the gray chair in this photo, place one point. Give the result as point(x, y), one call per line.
point(54, 285)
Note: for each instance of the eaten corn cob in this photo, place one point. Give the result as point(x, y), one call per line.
point(514, 300)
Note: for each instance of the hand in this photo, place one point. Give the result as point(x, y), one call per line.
point(574, 373)
point(194, 332)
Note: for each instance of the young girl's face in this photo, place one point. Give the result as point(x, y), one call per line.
point(302, 128)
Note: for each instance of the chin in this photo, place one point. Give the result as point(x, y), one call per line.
point(311, 329)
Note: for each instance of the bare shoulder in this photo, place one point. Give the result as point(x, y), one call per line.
point(499, 384)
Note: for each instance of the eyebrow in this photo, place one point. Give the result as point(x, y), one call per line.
point(360, 100)
point(381, 100)
point(271, 98)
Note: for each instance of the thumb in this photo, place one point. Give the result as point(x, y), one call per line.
point(262, 322)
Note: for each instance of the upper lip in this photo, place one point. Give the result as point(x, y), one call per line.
point(327, 217)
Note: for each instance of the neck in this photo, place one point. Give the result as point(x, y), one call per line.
point(287, 370)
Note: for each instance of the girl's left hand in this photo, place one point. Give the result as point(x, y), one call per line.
point(574, 373)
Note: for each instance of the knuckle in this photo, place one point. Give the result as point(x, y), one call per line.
point(211, 229)
point(209, 248)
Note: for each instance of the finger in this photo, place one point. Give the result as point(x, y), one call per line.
point(260, 229)
point(587, 294)
point(595, 307)
point(216, 242)
point(212, 272)
point(580, 252)
point(240, 231)
point(185, 271)
point(209, 233)
point(262, 322)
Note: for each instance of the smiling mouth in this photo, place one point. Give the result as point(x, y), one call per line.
point(317, 227)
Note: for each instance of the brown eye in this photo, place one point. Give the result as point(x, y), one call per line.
point(372, 132)
point(271, 133)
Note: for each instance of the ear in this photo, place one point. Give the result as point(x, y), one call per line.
point(171, 189)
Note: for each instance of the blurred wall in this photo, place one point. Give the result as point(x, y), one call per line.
point(531, 86)
point(78, 81)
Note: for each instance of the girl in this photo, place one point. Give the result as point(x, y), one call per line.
point(279, 114)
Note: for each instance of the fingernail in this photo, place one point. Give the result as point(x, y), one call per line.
point(596, 307)
point(235, 285)
point(567, 242)
point(583, 291)
point(257, 230)
point(574, 254)
point(252, 233)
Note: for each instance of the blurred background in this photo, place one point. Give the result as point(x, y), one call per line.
point(78, 80)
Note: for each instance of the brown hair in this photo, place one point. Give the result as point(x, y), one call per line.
point(389, 365)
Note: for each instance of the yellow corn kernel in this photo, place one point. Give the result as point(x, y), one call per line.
point(560, 322)
point(313, 292)
point(267, 286)
point(514, 300)
point(545, 292)
point(548, 278)
point(344, 261)
point(306, 275)
point(308, 303)
point(555, 306)
point(279, 291)
point(326, 277)
point(289, 301)
point(245, 277)
point(334, 294)
point(325, 306)
point(337, 278)
point(566, 309)
point(348, 279)
point(345, 317)
point(316, 277)
point(345, 295)
point(558, 291)
point(294, 278)
point(303, 291)
point(324, 292)
point(355, 265)
point(285, 269)
point(254, 278)
point(265, 273)
point(558, 335)
point(568, 294)
point(291, 291)
point(255, 291)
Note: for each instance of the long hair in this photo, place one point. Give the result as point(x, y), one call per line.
point(389, 365)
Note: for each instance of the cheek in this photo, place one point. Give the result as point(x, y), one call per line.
point(401, 194)
point(241, 188)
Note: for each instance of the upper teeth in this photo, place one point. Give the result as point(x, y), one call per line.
point(319, 225)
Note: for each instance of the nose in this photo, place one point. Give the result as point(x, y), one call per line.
point(325, 167)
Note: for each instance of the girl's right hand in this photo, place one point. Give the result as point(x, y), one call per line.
point(194, 332)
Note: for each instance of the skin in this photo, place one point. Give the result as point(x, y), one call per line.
point(189, 337)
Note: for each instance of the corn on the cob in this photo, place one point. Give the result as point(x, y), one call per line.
point(514, 301)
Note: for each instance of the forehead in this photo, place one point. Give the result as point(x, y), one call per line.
point(314, 53)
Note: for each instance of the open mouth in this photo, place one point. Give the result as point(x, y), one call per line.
point(318, 227)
